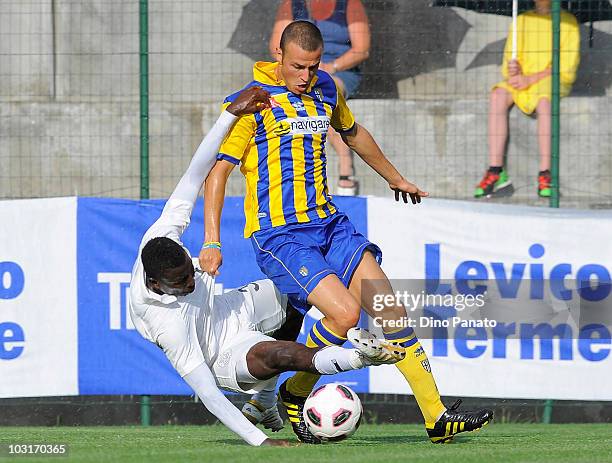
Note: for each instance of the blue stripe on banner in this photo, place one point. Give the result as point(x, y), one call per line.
point(113, 358)
point(327, 335)
point(357, 210)
point(263, 184)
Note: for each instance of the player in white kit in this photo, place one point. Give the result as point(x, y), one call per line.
point(224, 341)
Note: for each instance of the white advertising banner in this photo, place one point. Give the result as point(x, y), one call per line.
point(508, 249)
point(543, 349)
point(38, 307)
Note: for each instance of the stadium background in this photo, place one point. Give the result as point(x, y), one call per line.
point(70, 125)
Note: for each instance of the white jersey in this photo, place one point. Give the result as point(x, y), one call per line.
point(189, 328)
point(186, 321)
point(200, 323)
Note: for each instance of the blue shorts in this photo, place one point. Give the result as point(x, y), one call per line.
point(296, 257)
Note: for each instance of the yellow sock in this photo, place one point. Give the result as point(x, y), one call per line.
point(417, 371)
point(302, 383)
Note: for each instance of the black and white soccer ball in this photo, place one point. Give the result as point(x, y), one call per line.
point(333, 412)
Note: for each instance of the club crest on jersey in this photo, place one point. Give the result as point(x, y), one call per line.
point(298, 105)
point(319, 94)
point(303, 271)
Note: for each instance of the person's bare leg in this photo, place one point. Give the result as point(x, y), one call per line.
point(543, 111)
point(340, 308)
point(369, 280)
point(499, 106)
point(268, 359)
point(341, 312)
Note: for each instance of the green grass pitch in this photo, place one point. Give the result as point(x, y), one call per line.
point(372, 443)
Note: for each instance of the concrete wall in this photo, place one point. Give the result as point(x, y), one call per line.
point(26, 52)
point(92, 149)
point(69, 116)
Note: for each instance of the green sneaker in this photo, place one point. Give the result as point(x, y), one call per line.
point(492, 183)
point(544, 181)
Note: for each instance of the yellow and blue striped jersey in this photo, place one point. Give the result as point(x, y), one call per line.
point(281, 151)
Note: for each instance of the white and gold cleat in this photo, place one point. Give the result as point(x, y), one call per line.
point(257, 414)
point(373, 350)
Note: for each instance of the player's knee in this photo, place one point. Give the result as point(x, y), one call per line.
point(343, 320)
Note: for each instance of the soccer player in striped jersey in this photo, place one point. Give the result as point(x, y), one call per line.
point(301, 240)
point(226, 341)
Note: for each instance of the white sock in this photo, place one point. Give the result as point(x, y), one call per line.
point(266, 398)
point(334, 359)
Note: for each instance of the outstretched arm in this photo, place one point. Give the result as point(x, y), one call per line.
point(233, 151)
point(362, 142)
point(214, 197)
point(203, 160)
point(249, 101)
point(173, 337)
point(203, 383)
point(177, 212)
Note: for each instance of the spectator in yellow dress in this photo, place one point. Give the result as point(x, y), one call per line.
point(528, 85)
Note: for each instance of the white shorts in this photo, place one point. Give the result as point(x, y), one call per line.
point(231, 370)
point(266, 308)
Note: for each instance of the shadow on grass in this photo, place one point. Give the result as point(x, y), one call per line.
point(407, 439)
point(393, 439)
point(235, 442)
point(361, 441)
